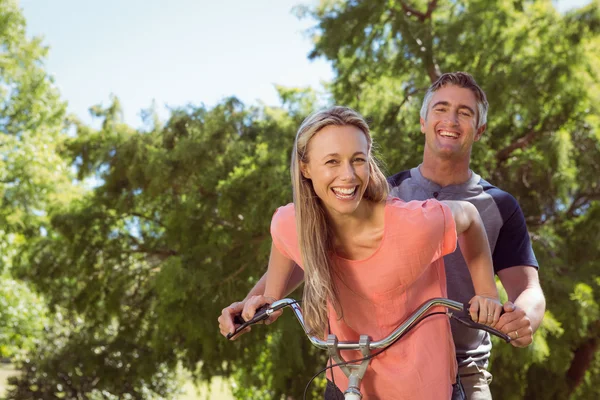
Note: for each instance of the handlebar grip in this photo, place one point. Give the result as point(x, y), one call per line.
point(260, 315)
point(468, 321)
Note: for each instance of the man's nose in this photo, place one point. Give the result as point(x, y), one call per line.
point(453, 118)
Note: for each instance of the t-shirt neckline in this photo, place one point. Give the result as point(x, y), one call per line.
point(385, 230)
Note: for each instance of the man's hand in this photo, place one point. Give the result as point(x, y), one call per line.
point(516, 324)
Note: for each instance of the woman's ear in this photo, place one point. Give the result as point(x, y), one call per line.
point(304, 170)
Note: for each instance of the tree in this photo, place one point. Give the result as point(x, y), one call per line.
point(176, 229)
point(33, 175)
point(540, 71)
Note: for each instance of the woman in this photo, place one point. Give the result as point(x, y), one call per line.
point(370, 260)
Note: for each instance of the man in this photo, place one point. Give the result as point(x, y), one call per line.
point(453, 117)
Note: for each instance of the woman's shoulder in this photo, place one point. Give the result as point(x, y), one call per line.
point(285, 212)
point(284, 217)
point(400, 205)
point(417, 211)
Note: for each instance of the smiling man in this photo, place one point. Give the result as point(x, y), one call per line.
point(453, 118)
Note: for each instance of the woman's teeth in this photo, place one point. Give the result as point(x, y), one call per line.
point(344, 193)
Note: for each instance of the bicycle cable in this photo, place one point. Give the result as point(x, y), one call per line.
point(370, 356)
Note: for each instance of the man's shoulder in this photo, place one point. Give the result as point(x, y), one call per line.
point(397, 179)
point(506, 202)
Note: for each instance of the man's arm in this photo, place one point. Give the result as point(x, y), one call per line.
point(526, 306)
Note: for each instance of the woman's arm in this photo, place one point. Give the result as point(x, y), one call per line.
point(475, 249)
point(226, 324)
point(278, 276)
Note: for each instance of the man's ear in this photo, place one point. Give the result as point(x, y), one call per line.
point(422, 125)
point(480, 131)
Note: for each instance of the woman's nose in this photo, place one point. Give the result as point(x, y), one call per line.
point(348, 171)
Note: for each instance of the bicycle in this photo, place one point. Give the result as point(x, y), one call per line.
point(355, 372)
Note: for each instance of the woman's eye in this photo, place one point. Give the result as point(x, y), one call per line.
point(332, 162)
point(360, 160)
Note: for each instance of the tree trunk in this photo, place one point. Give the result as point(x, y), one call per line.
point(584, 355)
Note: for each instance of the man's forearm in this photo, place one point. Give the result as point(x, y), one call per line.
point(533, 302)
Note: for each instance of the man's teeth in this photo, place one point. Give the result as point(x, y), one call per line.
point(449, 134)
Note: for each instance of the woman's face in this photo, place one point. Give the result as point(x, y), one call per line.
point(338, 167)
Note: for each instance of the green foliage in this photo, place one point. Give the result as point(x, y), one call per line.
point(33, 175)
point(178, 228)
point(137, 269)
point(76, 360)
point(32, 125)
point(23, 315)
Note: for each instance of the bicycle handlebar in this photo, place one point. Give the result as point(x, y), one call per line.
point(264, 312)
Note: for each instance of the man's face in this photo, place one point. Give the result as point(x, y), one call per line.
point(451, 125)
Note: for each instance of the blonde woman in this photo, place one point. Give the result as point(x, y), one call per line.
point(369, 260)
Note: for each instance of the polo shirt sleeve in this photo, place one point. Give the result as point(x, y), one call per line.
point(513, 246)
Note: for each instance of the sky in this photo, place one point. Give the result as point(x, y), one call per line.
point(176, 52)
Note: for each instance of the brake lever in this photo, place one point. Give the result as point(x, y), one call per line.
point(261, 314)
point(467, 321)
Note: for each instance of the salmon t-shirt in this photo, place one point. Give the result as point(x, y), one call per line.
point(378, 293)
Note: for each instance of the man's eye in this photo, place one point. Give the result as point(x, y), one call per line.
point(439, 109)
point(466, 114)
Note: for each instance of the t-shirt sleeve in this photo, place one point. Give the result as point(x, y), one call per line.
point(513, 246)
point(283, 232)
point(450, 237)
point(426, 230)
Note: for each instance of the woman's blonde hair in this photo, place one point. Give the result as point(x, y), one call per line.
point(314, 234)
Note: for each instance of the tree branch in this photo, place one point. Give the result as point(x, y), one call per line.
point(579, 201)
point(520, 143)
point(420, 16)
point(136, 214)
point(142, 249)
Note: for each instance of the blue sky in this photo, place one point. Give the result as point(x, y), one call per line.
point(176, 52)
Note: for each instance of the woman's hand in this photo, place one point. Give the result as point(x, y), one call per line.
point(226, 323)
point(254, 303)
point(485, 310)
point(246, 309)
